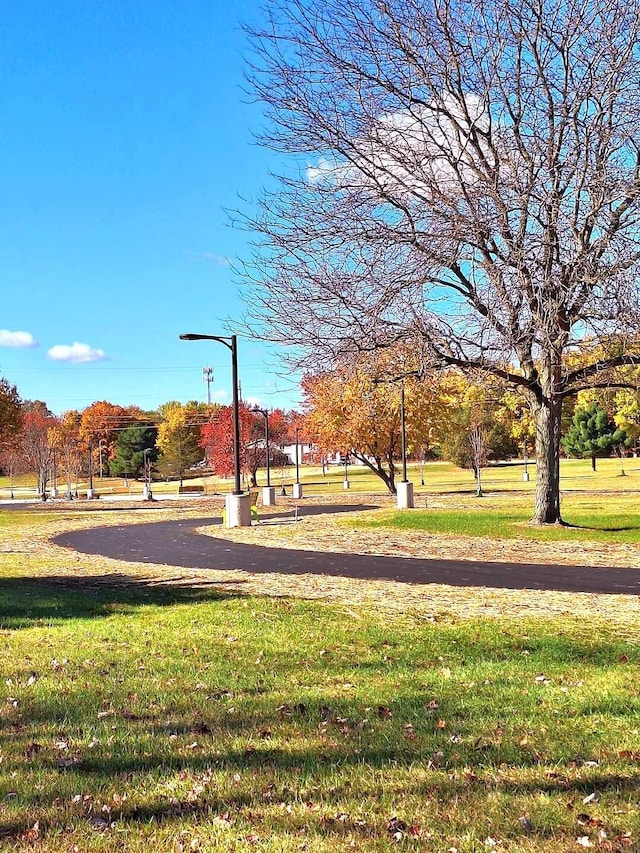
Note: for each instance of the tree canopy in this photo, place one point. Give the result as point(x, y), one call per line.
point(464, 178)
point(10, 411)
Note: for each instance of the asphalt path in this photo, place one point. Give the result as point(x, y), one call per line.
point(176, 543)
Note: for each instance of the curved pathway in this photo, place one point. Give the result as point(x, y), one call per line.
point(176, 543)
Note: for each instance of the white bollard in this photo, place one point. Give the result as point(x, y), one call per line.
point(297, 491)
point(268, 496)
point(405, 495)
point(238, 510)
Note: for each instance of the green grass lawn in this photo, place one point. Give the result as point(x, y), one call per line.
point(139, 716)
point(439, 478)
point(596, 517)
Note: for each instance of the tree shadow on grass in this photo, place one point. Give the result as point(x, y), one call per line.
point(314, 746)
point(277, 773)
point(29, 601)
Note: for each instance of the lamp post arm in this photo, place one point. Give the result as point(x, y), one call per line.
point(231, 343)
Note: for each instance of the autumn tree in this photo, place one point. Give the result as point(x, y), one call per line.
point(35, 442)
point(255, 449)
point(472, 188)
point(100, 426)
point(64, 437)
point(178, 438)
point(217, 439)
point(355, 409)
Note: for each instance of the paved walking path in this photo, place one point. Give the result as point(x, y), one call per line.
point(176, 543)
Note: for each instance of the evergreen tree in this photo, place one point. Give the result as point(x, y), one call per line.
point(592, 434)
point(132, 442)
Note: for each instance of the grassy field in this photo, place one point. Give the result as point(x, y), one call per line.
point(438, 477)
point(597, 517)
point(140, 716)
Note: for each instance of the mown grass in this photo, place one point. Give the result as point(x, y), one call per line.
point(137, 715)
point(601, 518)
point(438, 477)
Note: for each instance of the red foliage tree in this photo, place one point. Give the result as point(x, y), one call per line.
point(217, 439)
point(35, 444)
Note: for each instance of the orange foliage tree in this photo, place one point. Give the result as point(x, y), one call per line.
point(356, 410)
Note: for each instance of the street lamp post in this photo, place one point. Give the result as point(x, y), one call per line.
point(54, 476)
point(268, 491)
point(404, 496)
point(404, 489)
point(238, 505)
point(90, 492)
point(100, 443)
point(146, 467)
point(345, 483)
point(297, 486)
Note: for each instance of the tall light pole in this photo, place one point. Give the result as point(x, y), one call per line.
point(238, 515)
point(403, 433)
point(404, 489)
point(90, 489)
point(146, 467)
point(268, 492)
point(404, 495)
point(297, 486)
point(54, 475)
point(100, 443)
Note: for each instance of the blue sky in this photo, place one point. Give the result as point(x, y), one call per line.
point(125, 134)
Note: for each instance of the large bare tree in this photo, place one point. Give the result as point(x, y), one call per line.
point(466, 177)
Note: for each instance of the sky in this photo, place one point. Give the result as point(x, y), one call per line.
point(125, 136)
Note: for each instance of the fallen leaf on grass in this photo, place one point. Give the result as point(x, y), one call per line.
point(396, 828)
point(630, 754)
point(526, 824)
point(31, 750)
point(31, 834)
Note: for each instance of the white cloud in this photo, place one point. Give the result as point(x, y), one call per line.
point(252, 401)
point(219, 260)
point(210, 257)
point(220, 394)
point(76, 353)
point(19, 340)
point(324, 169)
point(413, 151)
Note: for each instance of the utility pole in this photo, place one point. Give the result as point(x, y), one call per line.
point(207, 376)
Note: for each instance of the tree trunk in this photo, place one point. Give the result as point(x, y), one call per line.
point(388, 478)
point(548, 412)
point(593, 462)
